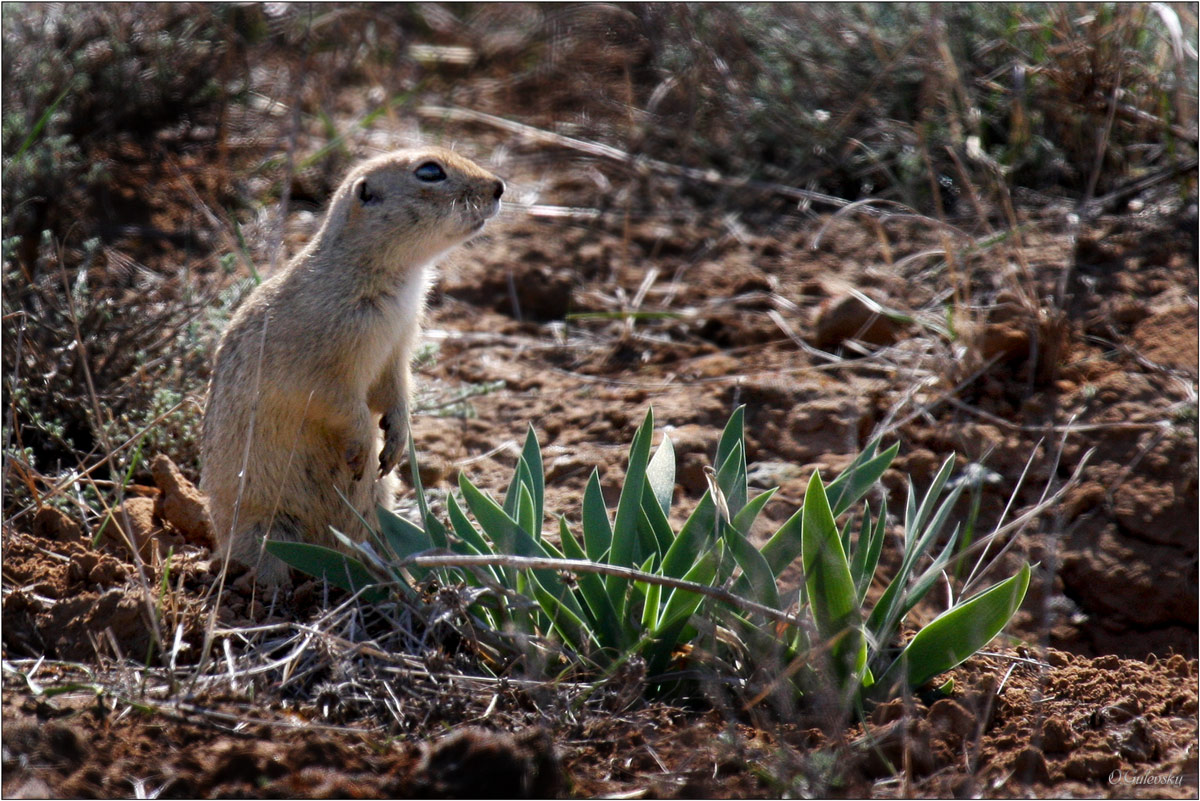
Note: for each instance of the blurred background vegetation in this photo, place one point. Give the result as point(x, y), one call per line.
point(140, 140)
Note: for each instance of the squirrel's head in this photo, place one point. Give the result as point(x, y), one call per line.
point(412, 205)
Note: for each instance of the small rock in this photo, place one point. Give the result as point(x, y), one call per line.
point(847, 317)
point(765, 475)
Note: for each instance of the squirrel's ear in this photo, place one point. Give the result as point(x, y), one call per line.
point(363, 192)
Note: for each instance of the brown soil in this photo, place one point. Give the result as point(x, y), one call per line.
point(1114, 704)
point(1071, 354)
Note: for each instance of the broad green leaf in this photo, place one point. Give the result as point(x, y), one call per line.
point(728, 476)
point(525, 514)
point(755, 570)
point(652, 607)
point(660, 475)
point(844, 538)
point(681, 603)
point(943, 514)
point(654, 530)
point(638, 590)
point(473, 542)
point(464, 528)
point(678, 609)
point(575, 633)
point(831, 593)
point(886, 611)
point(957, 633)
point(597, 530)
point(785, 544)
point(700, 529)
point(549, 582)
point(499, 527)
point(697, 533)
point(890, 608)
point(858, 555)
point(744, 522)
point(910, 516)
point(924, 582)
point(503, 528)
point(931, 497)
point(734, 433)
point(334, 566)
point(536, 481)
point(403, 537)
point(513, 493)
point(624, 538)
point(731, 477)
point(591, 587)
point(866, 555)
point(437, 531)
point(854, 482)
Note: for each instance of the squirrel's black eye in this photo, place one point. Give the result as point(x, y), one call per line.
point(430, 172)
point(364, 192)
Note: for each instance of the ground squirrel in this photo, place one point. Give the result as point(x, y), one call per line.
point(310, 388)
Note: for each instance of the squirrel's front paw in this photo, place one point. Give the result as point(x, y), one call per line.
point(395, 432)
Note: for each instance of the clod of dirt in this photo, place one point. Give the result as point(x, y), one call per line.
point(1168, 337)
point(888, 712)
point(951, 722)
point(523, 291)
point(1005, 342)
point(433, 470)
point(133, 524)
point(900, 745)
point(181, 504)
point(847, 317)
point(53, 524)
point(1029, 766)
point(1082, 499)
point(1057, 736)
point(1091, 765)
point(30, 746)
point(50, 744)
point(477, 762)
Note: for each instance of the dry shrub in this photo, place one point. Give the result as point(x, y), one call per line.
point(913, 103)
point(100, 322)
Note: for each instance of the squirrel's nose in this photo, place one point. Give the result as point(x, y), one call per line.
point(499, 189)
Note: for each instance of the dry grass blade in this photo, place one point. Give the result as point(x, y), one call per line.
point(637, 163)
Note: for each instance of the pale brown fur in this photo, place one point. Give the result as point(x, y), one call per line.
point(310, 389)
